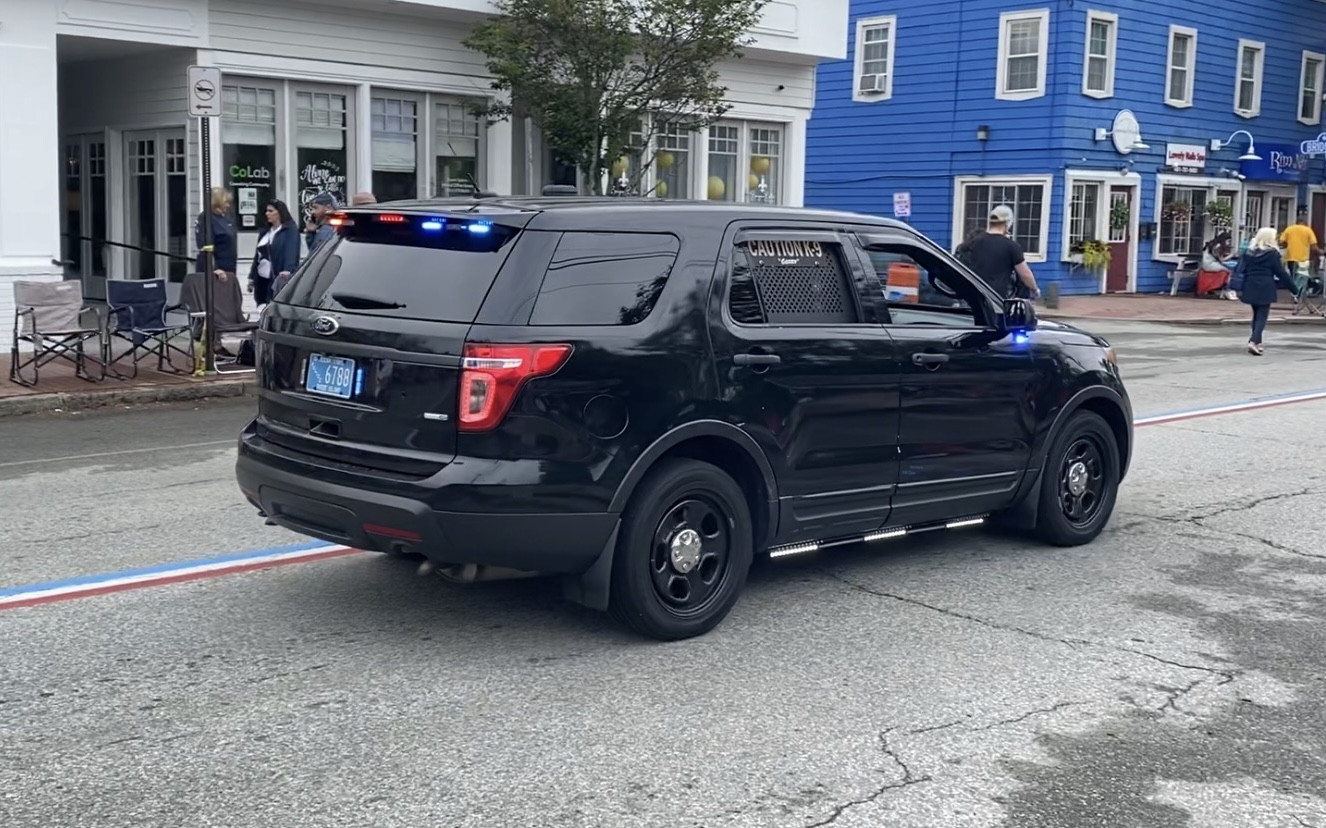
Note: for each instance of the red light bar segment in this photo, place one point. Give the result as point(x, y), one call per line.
point(391, 218)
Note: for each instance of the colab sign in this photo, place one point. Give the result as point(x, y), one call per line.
point(1185, 157)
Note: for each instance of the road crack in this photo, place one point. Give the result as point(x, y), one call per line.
point(908, 778)
point(1249, 505)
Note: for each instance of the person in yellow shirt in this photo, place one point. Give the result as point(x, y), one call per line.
point(1299, 242)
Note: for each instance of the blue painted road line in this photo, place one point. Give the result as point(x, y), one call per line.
point(172, 573)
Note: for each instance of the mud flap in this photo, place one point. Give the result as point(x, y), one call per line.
point(592, 588)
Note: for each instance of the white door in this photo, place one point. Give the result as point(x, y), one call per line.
point(156, 197)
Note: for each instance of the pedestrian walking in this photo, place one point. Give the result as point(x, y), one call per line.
point(277, 253)
point(1299, 243)
point(997, 258)
point(1262, 270)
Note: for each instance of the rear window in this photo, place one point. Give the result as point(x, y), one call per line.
point(415, 267)
point(605, 278)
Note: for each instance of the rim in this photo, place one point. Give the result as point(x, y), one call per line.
point(691, 553)
point(1082, 481)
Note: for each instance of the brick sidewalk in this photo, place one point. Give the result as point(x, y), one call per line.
point(1162, 308)
point(58, 388)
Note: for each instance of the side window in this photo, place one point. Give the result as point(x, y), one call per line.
point(605, 278)
point(922, 289)
point(785, 280)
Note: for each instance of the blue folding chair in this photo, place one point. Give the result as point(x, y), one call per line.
point(136, 312)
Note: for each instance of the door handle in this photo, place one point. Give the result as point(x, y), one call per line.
point(757, 359)
point(929, 360)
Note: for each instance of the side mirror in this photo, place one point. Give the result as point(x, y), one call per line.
point(1019, 316)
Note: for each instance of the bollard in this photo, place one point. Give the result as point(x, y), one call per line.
point(1051, 295)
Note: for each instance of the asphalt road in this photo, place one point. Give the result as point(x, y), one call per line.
point(1171, 674)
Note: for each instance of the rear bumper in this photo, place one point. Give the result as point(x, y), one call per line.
point(553, 543)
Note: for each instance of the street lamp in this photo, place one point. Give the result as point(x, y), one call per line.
point(1250, 155)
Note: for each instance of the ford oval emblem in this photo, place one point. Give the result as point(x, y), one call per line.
point(326, 325)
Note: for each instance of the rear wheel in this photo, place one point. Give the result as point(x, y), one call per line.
point(683, 553)
point(1080, 483)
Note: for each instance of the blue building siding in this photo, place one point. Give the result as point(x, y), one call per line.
point(945, 63)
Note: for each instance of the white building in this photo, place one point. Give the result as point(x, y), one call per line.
point(98, 154)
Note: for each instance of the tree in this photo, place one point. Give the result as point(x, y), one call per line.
point(603, 78)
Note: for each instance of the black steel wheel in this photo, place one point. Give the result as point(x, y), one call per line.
point(683, 551)
point(1080, 482)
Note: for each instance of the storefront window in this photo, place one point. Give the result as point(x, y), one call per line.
point(248, 150)
point(745, 162)
point(1282, 209)
point(456, 144)
point(672, 163)
point(724, 160)
point(1182, 221)
point(395, 148)
point(320, 147)
point(1083, 213)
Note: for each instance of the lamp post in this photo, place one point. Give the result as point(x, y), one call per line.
point(1250, 155)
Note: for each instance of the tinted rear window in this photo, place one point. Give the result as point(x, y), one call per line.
point(605, 278)
point(439, 271)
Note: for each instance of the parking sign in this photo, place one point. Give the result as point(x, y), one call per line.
point(204, 91)
point(902, 205)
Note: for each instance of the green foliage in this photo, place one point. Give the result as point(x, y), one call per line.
point(592, 72)
point(1095, 255)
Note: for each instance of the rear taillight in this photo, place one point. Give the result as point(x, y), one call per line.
point(492, 375)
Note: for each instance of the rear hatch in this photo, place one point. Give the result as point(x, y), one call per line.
point(360, 354)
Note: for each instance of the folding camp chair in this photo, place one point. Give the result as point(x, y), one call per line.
point(137, 314)
point(1311, 297)
point(228, 317)
point(50, 317)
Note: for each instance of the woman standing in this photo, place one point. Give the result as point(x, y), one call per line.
point(1263, 271)
point(277, 254)
point(225, 244)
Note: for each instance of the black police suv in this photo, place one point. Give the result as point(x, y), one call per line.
point(642, 396)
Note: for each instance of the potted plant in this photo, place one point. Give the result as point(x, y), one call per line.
point(1177, 210)
point(1095, 255)
point(1220, 214)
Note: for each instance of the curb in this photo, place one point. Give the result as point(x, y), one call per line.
point(89, 400)
point(1206, 322)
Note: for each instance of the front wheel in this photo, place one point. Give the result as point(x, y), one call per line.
point(683, 553)
point(1080, 483)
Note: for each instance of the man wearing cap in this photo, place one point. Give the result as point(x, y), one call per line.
point(318, 230)
point(997, 258)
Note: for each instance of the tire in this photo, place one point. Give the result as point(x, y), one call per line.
point(1080, 482)
point(683, 552)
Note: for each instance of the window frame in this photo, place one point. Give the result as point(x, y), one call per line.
point(850, 260)
point(1111, 56)
point(889, 22)
point(1006, 19)
point(703, 171)
point(1213, 187)
point(1046, 182)
point(1318, 78)
point(1259, 70)
point(1100, 232)
point(1190, 68)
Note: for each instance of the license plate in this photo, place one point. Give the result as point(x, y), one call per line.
point(330, 376)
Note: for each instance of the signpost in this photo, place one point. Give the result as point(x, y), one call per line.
point(205, 104)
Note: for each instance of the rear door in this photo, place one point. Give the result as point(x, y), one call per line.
point(803, 361)
point(360, 354)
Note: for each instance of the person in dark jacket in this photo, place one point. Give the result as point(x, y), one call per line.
point(225, 243)
point(1263, 270)
point(277, 253)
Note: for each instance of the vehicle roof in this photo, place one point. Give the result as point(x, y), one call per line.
point(620, 207)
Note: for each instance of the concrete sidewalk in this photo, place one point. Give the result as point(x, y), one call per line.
point(1171, 310)
point(59, 390)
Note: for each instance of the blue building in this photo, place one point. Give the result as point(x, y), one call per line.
point(1137, 128)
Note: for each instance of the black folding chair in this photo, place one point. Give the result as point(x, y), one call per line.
point(137, 314)
point(50, 316)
